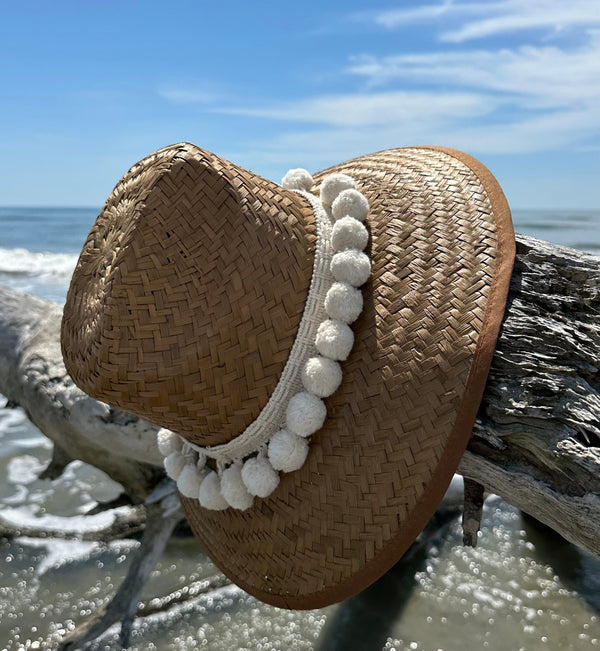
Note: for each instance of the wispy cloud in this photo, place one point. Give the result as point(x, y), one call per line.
point(508, 101)
point(533, 76)
point(320, 147)
point(526, 98)
point(514, 15)
point(477, 20)
point(372, 109)
point(391, 18)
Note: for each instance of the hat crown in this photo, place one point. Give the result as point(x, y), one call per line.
point(195, 274)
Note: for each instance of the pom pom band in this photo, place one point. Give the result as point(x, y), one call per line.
point(278, 439)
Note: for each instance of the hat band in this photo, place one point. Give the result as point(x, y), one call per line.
point(277, 440)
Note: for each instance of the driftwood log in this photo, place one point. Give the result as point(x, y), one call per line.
point(536, 441)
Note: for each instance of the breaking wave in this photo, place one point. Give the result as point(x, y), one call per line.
point(22, 262)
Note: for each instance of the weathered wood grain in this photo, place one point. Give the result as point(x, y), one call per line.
point(536, 441)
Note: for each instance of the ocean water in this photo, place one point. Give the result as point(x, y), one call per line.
point(522, 588)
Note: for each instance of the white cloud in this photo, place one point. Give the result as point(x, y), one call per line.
point(395, 17)
point(526, 99)
point(514, 15)
point(523, 99)
point(482, 19)
point(371, 109)
point(318, 148)
point(534, 76)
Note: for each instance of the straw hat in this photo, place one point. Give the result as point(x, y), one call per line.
point(315, 351)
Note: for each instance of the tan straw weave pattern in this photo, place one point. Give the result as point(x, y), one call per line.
point(196, 280)
point(183, 309)
point(323, 534)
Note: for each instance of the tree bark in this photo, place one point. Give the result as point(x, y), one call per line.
point(126, 525)
point(536, 441)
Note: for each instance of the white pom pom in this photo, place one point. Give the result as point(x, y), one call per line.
point(287, 451)
point(233, 488)
point(334, 339)
point(189, 480)
point(297, 179)
point(174, 464)
point(168, 441)
point(343, 302)
point(349, 233)
point(351, 266)
point(332, 186)
point(259, 476)
point(350, 202)
point(321, 376)
point(209, 495)
point(305, 414)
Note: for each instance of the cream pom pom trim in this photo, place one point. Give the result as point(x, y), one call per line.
point(278, 439)
point(287, 451)
point(297, 179)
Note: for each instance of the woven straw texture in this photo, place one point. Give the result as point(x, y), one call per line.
point(188, 293)
point(442, 248)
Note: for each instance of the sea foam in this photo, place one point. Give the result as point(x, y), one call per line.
point(22, 262)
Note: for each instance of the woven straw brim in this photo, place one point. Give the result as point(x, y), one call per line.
point(186, 301)
point(442, 248)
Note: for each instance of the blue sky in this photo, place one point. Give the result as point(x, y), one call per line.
point(87, 89)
